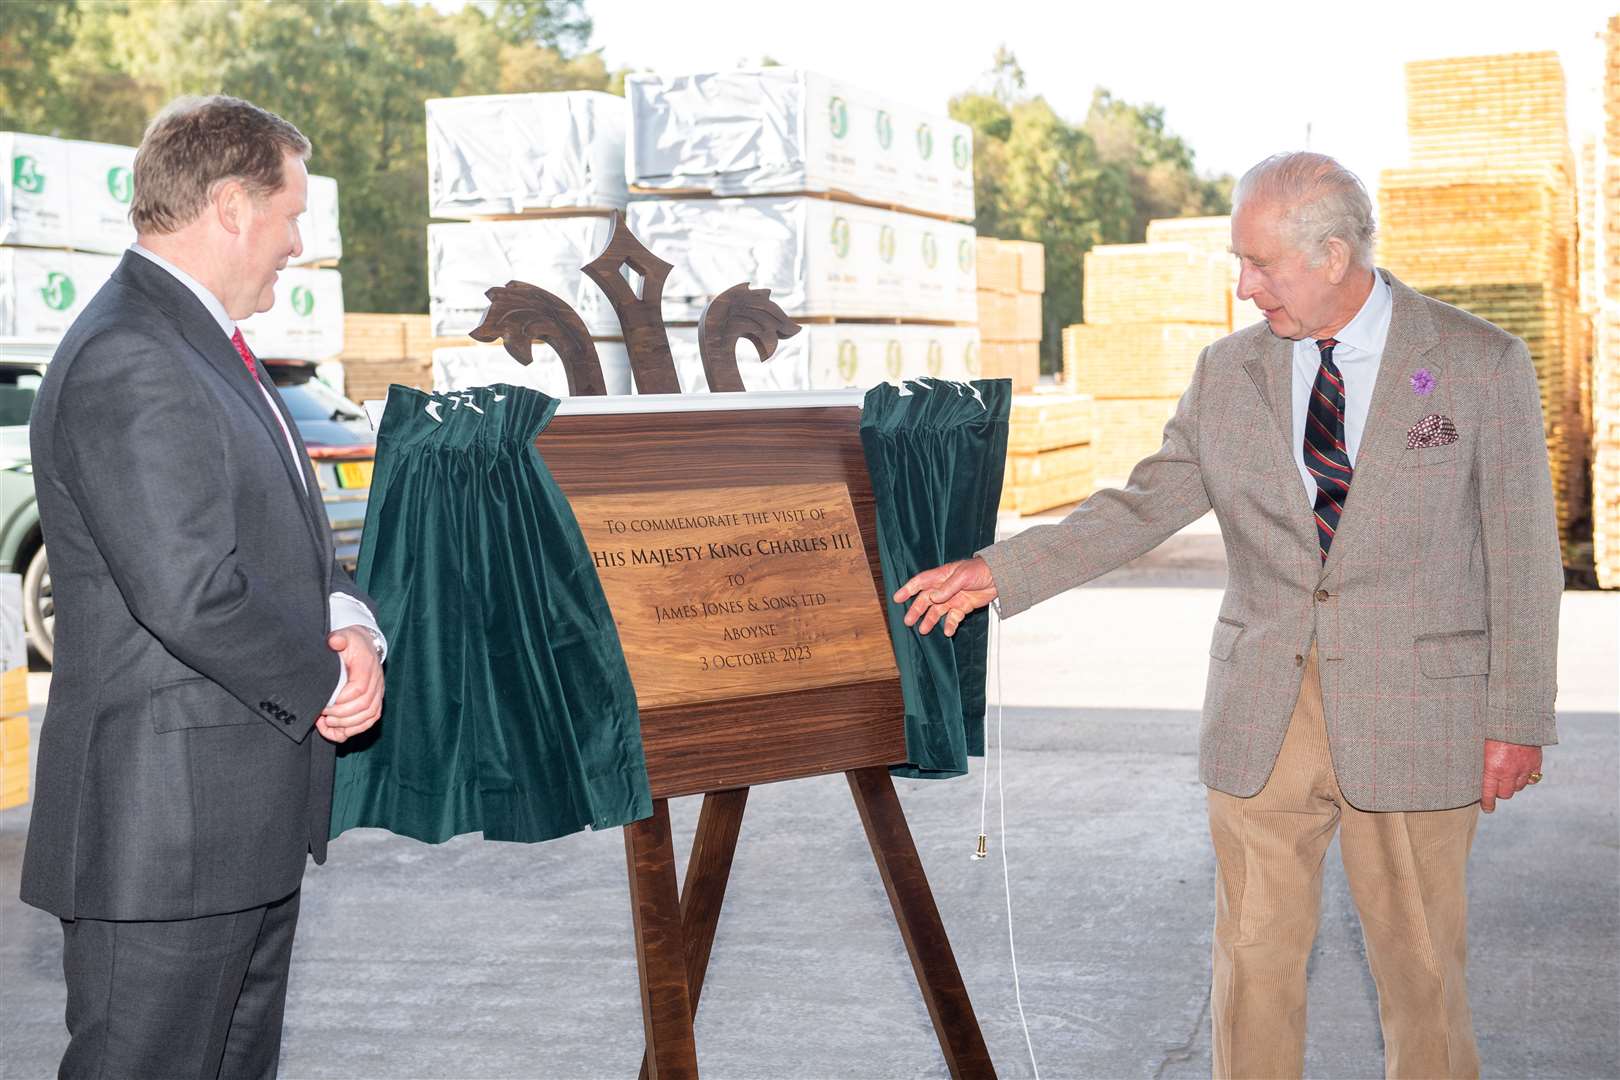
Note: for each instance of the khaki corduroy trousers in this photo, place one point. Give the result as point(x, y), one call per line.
point(1407, 876)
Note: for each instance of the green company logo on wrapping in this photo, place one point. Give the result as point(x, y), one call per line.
point(885, 128)
point(886, 243)
point(838, 117)
point(930, 248)
point(58, 292)
point(925, 141)
point(970, 358)
point(893, 359)
point(961, 154)
point(936, 358)
point(26, 175)
point(303, 301)
point(964, 254)
point(840, 236)
point(121, 183)
point(848, 360)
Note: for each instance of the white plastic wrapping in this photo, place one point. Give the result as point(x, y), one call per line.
point(482, 365)
point(859, 355)
point(318, 227)
point(512, 153)
point(780, 130)
point(465, 260)
point(306, 320)
point(42, 290)
point(819, 258)
point(65, 193)
point(100, 187)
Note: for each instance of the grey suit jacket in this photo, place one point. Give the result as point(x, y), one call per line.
point(178, 773)
point(1436, 614)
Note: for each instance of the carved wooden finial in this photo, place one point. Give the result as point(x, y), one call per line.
point(639, 307)
point(520, 314)
point(739, 312)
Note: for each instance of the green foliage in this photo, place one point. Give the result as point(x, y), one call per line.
point(560, 25)
point(31, 32)
point(352, 76)
point(1039, 177)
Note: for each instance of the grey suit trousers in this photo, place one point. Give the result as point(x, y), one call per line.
point(180, 998)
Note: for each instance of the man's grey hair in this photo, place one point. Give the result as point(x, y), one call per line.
point(1320, 200)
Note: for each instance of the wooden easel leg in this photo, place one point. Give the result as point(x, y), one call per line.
point(707, 872)
point(666, 1007)
point(920, 926)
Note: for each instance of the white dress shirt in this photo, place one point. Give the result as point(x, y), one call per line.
point(342, 609)
point(1359, 351)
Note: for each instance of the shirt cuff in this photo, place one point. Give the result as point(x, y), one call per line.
point(344, 610)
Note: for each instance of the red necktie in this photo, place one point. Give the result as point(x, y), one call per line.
point(245, 353)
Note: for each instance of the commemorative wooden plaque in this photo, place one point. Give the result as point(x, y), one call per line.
point(735, 538)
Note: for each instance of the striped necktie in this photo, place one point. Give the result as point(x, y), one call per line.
point(1325, 453)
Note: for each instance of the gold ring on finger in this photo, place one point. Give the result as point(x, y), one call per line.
point(1535, 778)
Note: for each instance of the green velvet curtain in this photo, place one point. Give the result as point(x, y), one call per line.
point(936, 452)
point(509, 708)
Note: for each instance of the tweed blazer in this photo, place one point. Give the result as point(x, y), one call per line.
point(1435, 616)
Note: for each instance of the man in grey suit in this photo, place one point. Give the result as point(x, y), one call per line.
point(209, 649)
point(1384, 662)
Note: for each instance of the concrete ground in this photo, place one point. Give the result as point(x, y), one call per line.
point(476, 959)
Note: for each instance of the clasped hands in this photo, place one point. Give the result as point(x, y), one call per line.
point(359, 704)
point(954, 591)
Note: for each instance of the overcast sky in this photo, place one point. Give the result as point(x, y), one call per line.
point(1237, 81)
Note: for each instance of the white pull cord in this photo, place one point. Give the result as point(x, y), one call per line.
point(981, 852)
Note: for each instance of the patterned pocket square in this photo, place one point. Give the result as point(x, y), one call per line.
point(1432, 430)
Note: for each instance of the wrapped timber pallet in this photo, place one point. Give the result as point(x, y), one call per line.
point(853, 210)
point(502, 155)
point(1050, 458)
point(532, 180)
point(783, 131)
point(1011, 279)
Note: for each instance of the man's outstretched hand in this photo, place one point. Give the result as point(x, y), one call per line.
point(951, 593)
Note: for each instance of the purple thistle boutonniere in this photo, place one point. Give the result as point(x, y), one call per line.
point(1422, 382)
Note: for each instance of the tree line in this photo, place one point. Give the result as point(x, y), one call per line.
point(354, 77)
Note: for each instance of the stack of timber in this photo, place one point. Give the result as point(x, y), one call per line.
point(1012, 278)
point(1214, 235)
point(1050, 451)
point(1485, 218)
point(13, 695)
point(1149, 310)
point(1606, 316)
point(381, 349)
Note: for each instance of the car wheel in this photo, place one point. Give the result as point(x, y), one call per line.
point(39, 608)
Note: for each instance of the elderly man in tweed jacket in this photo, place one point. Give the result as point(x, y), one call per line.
point(1384, 660)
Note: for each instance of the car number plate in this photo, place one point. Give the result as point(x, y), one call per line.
point(354, 474)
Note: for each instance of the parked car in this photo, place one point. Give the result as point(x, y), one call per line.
point(339, 438)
